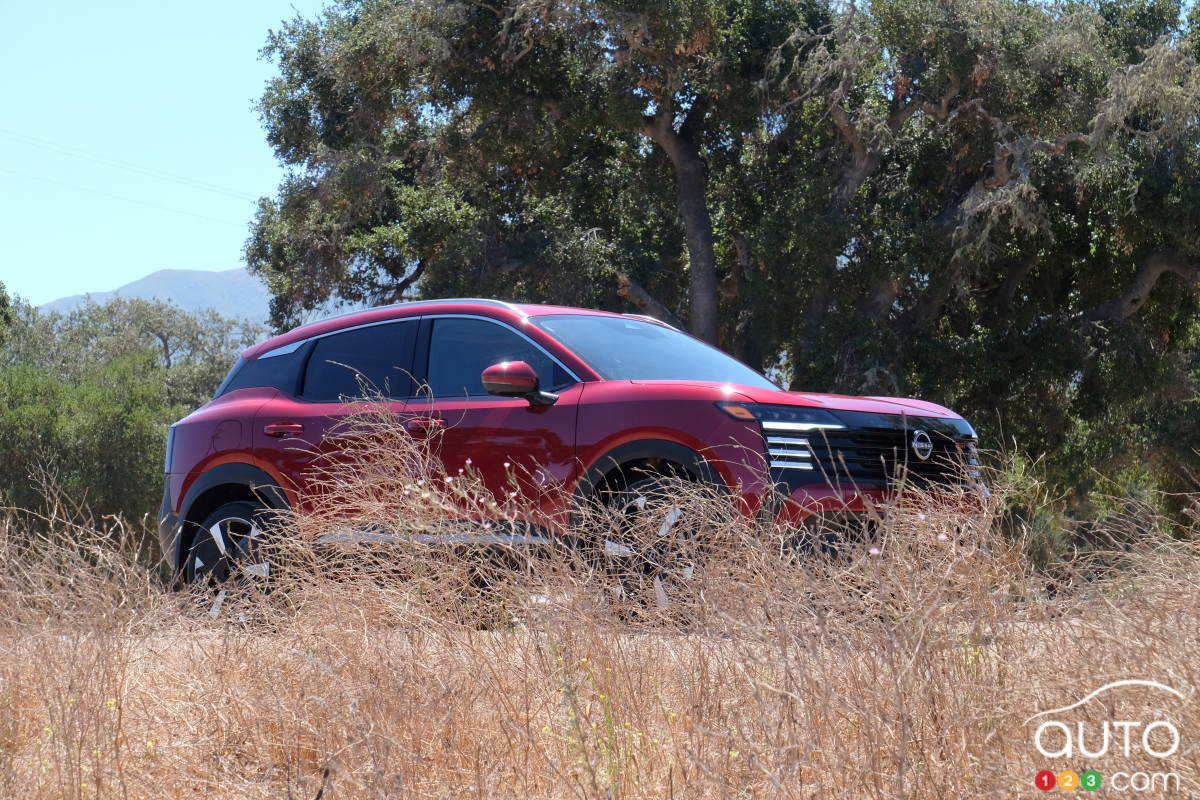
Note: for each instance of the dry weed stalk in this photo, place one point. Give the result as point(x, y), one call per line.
point(906, 666)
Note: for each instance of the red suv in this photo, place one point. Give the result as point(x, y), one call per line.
point(584, 402)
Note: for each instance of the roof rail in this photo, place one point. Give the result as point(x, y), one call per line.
point(407, 303)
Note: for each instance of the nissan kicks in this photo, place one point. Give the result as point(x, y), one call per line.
point(585, 403)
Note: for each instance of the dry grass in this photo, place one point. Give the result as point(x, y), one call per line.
point(906, 673)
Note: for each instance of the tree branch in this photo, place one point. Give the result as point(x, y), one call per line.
point(878, 304)
point(901, 115)
point(866, 156)
point(1138, 291)
point(742, 266)
point(659, 125)
point(643, 301)
point(658, 128)
point(928, 309)
point(941, 111)
point(864, 160)
point(846, 128)
point(1019, 151)
point(1011, 159)
point(395, 292)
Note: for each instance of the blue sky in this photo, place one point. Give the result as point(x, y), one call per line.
point(128, 138)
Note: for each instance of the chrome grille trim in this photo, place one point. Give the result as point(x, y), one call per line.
point(789, 453)
point(786, 440)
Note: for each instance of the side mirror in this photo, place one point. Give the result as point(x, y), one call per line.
point(516, 379)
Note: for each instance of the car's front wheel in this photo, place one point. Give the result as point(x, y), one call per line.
point(229, 546)
point(652, 547)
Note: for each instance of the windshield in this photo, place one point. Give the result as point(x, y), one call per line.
point(624, 349)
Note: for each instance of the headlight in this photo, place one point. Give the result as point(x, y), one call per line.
point(783, 418)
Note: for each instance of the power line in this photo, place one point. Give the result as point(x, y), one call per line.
point(122, 198)
point(99, 158)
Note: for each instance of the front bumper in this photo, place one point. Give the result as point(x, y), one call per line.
point(809, 501)
point(806, 502)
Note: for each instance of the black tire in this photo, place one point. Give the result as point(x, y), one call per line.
point(228, 547)
point(656, 551)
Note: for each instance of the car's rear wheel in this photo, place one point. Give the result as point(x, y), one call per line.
point(228, 547)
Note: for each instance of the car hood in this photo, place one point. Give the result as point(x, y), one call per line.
point(833, 402)
point(842, 402)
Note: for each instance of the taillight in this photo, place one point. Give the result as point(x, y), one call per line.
point(170, 447)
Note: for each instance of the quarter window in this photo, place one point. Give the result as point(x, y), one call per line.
point(366, 362)
point(279, 372)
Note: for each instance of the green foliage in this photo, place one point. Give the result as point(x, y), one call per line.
point(992, 204)
point(5, 313)
point(194, 351)
point(98, 437)
point(85, 398)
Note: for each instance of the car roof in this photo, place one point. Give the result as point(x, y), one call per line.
point(515, 313)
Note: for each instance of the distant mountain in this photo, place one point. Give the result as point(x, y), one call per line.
point(231, 293)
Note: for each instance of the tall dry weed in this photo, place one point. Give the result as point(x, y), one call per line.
point(907, 666)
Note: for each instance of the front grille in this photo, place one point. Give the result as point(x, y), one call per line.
point(872, 449)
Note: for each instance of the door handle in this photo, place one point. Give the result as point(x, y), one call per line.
point(283, 429)
point(419, 425)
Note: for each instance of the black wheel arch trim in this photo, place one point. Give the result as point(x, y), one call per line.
point(174, 531)
point(697, 465)
point(260, 484)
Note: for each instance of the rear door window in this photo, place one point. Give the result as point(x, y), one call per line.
point(374, 361)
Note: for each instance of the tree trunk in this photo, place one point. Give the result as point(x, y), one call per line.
point(702, 289)
point(746, 344)
point(691, 185)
